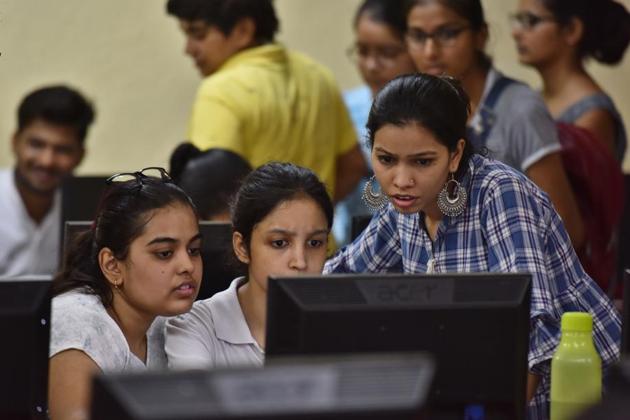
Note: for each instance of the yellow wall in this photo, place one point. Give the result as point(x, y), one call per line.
point(127, 56)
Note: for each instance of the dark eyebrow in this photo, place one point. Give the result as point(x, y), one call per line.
point(199, 27)
point(380, 149)
point(287, 232)
point(164, 239)
point(35, 138)
point(196, 237)
point(441, 27)
point(429, 153)
point(282, 231)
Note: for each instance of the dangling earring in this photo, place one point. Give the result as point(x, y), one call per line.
point(375, 201)
point(452, 205)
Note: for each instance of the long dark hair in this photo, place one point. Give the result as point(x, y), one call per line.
point(606, 26)
point(124, 210)
point(271, 185)
point(437, 103)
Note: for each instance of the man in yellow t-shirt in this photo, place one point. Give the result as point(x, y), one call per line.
point(260, 100)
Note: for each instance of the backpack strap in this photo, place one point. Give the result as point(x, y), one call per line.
point(478, 133)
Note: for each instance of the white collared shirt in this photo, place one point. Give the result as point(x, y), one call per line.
point(26, 247)
point(213, 334)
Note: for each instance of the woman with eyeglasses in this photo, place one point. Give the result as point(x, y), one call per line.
point(508, 120)
point(556, 37)
point(443, 209)
point(380, 54)
point(281, 218)
point(139, 261)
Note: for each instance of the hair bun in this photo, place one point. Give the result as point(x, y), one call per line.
point(610, 34)
point(180, 157)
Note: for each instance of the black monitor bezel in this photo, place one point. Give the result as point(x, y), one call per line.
point(242, 392)
point(25, 393)
point(520, 309)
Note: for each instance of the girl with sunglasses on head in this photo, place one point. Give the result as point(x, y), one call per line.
point(281, 219)
point(444, 209)
point(556, 37)
point(509, 120)
point(380, 54)
point(139, 261)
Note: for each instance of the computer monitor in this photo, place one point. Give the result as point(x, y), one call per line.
point(377, 387)
point(219, 267)
point(475, 325)
point(71, 229)
point(25, 329)
point(80, 196)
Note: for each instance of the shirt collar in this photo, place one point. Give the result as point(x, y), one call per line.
point(264, 54)
point(229, 321)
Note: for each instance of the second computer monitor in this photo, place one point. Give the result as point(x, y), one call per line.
point(382, 386)
point(475, 325)
point(25, 328)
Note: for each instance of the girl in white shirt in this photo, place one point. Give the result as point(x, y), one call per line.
point(281, 218)
point(140, 260)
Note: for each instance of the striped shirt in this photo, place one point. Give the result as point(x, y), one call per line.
point(509, 225)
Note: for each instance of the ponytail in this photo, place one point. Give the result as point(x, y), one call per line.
point(180, 157)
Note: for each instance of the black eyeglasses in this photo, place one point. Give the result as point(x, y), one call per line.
point(528, 20)
point(443, 37)
point(384, 56)
point(139, 176)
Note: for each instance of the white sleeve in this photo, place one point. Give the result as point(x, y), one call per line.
point(190, 339)
point(76, 323)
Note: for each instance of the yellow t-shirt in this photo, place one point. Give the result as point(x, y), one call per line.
point(266, 103)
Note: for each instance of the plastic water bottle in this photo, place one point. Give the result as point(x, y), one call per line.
point(576, 368)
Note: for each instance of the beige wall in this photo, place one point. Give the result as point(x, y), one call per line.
point(127, 56)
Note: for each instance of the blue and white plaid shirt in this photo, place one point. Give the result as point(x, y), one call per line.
point(509, 225)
